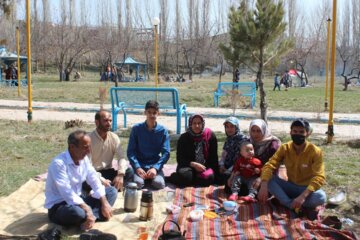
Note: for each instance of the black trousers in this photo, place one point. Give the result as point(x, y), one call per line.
point(188, 177)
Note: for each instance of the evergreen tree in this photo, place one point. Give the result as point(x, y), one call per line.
point(257, 38)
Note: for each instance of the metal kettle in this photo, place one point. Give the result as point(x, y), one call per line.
point(131, 197)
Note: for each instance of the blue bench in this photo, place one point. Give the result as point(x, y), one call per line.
point(246, 89)
point(124, 98)
point(13, 82)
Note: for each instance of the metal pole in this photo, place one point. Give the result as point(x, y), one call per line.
point(330, 132)
point(156, 56)
point(327, 64)
point(28, 45)
point(18, 58)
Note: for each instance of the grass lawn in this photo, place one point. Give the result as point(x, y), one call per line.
point(196, 94)
point(27, 149)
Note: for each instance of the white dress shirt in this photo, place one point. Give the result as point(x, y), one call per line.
point(64, 180)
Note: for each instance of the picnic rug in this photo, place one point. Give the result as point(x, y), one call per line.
point(22, 213)
point(252, 220)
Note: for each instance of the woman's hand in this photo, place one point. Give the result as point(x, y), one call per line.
point(222, 169)
point(198, 167)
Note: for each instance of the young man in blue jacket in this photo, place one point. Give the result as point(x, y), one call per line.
point(149, 148)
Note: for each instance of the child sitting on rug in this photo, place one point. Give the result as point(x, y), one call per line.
point(245, 171)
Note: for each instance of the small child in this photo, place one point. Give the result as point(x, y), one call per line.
point(276, 82)
point(231, 149)
point(245, 171)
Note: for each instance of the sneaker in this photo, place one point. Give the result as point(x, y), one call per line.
point(51, 234)
point(97, 235)
point(233, 197)
point(249, 199)
point(338, 199)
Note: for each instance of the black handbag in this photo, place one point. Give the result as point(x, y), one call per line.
point(172, 234)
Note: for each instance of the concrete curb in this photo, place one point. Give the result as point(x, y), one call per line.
point(206, 114)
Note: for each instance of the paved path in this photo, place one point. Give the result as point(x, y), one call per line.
point(279, 121)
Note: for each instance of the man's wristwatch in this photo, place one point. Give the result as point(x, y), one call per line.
point(120, 174)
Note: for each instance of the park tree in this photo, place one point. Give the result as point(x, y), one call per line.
point(259, 34)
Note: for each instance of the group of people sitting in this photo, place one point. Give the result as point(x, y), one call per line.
point(256, 162)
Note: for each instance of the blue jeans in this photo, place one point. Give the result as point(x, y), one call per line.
point(158, 182)
point(73, 215)
point(286, 192)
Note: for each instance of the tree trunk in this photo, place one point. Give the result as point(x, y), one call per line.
point(221, 68)
point(263, 104)
point(344, 76)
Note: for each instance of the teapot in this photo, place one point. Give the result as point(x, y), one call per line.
point(131, 197)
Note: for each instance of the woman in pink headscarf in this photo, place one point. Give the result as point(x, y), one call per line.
point(196, 155)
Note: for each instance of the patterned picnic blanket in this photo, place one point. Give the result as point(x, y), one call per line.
point(252, 220)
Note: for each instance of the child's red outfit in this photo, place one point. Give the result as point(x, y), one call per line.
point(246, 168)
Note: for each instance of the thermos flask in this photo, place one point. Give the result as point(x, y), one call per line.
point(131, 197)
point(146, 206)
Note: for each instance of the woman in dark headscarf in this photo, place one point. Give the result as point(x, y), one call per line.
point(196, 155)
point(231, 149)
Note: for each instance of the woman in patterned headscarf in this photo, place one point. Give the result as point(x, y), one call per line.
point(196, 155)
point(231, 149)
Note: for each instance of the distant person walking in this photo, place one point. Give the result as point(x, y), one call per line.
point(276, 82)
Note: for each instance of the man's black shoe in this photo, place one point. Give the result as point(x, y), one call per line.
point(97, 235)
point(51, 234)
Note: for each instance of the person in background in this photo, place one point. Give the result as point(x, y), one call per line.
point(276, 82)
point(149, 148)
point(63, 191)
point(305, 170)
point(196, 155)
point(105, 147)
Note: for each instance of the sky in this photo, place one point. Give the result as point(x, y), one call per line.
point(145, 10)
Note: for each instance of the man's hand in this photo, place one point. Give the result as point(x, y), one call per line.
point(119, 182)
point(90, 218)
point(256, 183)
point(105, 182)
point(197, 166)
point(263, 192)
point(106, 209)
point(151, 173)
point(141, 173)
point(298, 202)
point(89, 222)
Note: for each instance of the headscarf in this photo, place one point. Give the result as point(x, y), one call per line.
point(232, 143)
point(263, 145)
point(201, 140)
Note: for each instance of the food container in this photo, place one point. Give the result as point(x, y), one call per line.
point(171, 208)
point(196, 215)
point(229, 206)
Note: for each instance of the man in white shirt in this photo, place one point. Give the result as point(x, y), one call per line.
point(105, 147)
point(66, 174)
